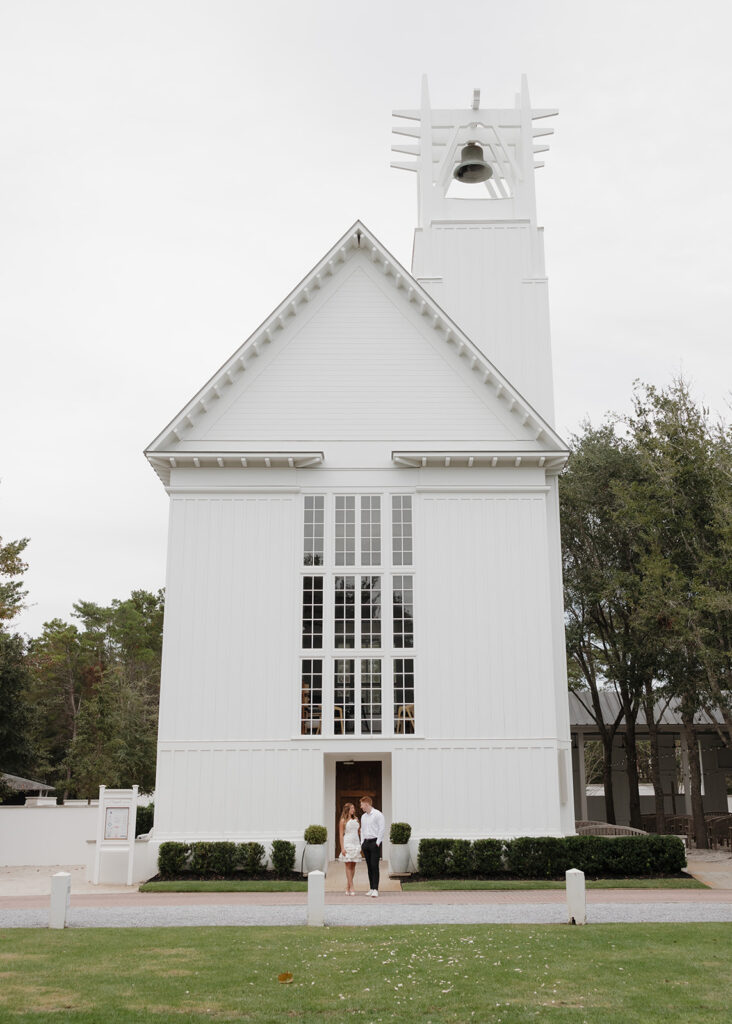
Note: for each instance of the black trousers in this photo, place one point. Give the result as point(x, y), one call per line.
point(372, 855)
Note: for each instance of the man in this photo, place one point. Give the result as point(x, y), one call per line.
point(372, 836)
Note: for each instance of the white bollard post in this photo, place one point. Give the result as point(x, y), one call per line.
point(576, 897)
point(316, 899)
point(60, 899)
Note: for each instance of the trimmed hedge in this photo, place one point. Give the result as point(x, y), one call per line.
point(283, 858)
point(173, 859)
point(250, 859)
point(399, 833)
point(550, 856)
point(487, 857)
point(221, 860)
point(213, 860)
point(315, 835)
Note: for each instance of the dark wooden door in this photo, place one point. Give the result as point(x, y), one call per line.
point(355, 779)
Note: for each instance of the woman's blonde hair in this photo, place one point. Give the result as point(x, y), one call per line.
point(345, 816)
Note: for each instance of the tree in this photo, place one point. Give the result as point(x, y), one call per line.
point(682, 507)
point(97, 687)
point(11, 588)
point(603, 578)
point(16, 752)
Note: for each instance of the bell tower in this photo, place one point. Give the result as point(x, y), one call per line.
point(478, 249)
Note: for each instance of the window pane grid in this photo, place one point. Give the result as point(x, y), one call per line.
point(314, 529)
point(345, 529)
point(311, 701)
point(344, 696)
point(370, 529)
point(403, 695)
point(371, 611)
point(312, 611)
point(371, 696)
point(403, 608)
point(352, 600)
point(345, 612)
point(401, 529)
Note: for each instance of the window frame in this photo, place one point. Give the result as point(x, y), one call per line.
point(387, 653)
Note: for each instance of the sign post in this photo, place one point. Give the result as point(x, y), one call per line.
point(116, 827)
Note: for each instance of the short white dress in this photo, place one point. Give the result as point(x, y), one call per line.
point(351, 842)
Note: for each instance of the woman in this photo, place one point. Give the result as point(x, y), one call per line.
point(349, 828)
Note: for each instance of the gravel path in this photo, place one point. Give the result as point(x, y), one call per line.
point(366, 915)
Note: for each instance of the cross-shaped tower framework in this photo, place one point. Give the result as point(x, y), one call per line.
point(477, 248)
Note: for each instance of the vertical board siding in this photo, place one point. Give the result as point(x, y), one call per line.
point(492, 292)
point(473, 791)
point(237, 792)
point(231, 618)
point(358, 369)
point(486, 665)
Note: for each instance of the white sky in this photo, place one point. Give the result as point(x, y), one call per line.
point(170, 170)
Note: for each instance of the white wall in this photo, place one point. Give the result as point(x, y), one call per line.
point(46, 835)
point(231, 617)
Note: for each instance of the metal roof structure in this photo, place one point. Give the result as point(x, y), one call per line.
point(666, 711)
point(21, 785)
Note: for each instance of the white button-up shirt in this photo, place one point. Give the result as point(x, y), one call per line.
point(372, 826)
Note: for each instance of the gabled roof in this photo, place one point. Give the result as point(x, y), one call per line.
point(357, 238)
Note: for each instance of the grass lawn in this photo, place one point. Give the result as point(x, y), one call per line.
point(544, 883)
point(506, 974)
point(223, 886)
point(432, 885)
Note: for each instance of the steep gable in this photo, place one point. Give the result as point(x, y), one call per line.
point(357, 352)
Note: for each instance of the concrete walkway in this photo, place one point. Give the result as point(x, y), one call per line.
point(712, 867)
point(24, 903)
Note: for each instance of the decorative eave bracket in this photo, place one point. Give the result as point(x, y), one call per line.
point(164, 462)
point(551, 462)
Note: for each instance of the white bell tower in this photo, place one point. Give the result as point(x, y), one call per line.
point(478, 249)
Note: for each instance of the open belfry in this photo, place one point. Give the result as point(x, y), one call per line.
point(364, 589)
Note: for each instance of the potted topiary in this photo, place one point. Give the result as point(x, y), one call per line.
point(399, 834)
point(315, 855)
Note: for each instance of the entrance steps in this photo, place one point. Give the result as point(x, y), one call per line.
point(335, 879)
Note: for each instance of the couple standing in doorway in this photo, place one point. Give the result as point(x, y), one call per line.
point(364, 837)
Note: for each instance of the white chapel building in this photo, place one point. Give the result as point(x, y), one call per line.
point(364, 587)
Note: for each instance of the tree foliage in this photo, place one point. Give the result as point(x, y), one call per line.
point(646, 505)
point(96, 686)
point(12, 568)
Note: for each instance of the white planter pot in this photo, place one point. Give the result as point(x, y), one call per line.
point(399, 858)
point(315, 859)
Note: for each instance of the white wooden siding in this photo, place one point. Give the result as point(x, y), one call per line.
point(233, 791)
point(466, 791)
point(491, 282)
point(231, 617)
point(364, 366)
point(482, 617)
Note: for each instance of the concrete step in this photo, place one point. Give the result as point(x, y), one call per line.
point(335, 879)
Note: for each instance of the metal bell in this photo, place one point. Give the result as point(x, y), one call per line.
point(472, 167)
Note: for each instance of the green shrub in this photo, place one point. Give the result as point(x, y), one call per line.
point(460, 859)
point(537, 857)
point(432, 857)
point(487, 857)
point(172, 859)
point(603, 856)
point(668, 853)
point(250, 858)
point(145, 816)
point(283, 858)
point(315, 835)
point(399, 833)
point(213, 860)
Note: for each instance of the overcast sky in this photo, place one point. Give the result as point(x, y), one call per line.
point(170, 170)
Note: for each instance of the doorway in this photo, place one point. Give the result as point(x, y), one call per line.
point(354, 779)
